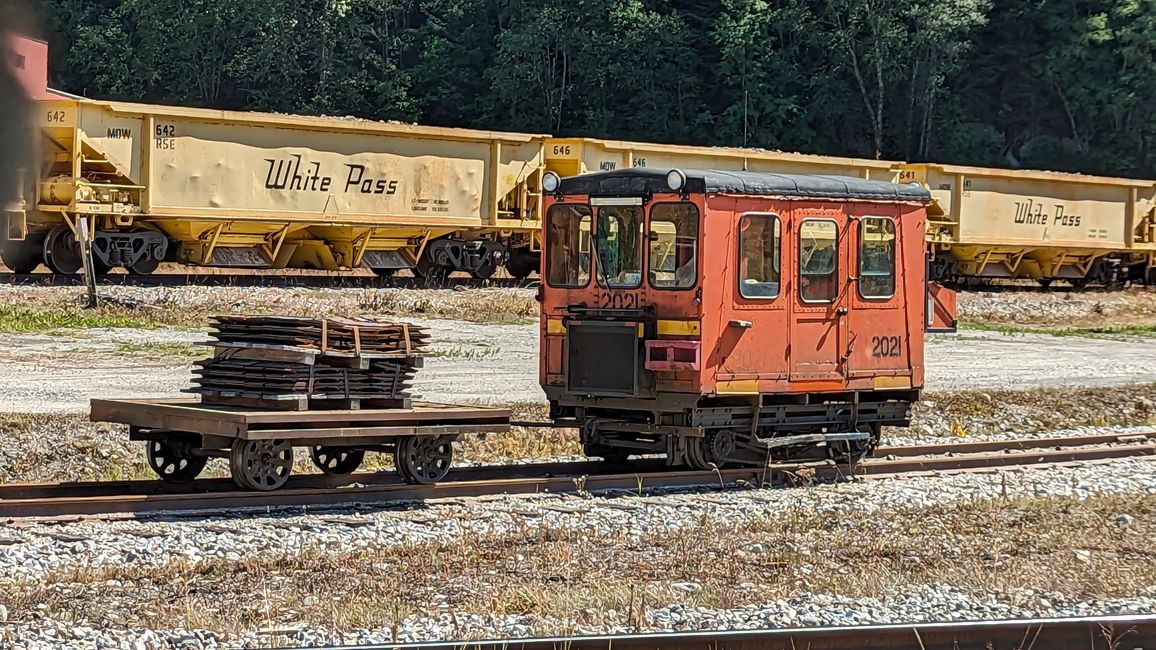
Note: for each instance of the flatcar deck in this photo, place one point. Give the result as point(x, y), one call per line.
point(182, 434)
point(190, 415)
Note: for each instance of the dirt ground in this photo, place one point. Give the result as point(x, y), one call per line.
point(497, 363)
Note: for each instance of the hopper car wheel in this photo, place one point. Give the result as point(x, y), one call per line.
point(424, 459)
point(144, 266)
point(23, 257)
point(174, 463)
point(521, 263)
point(383, 272)
point(336, 461)
point(485, 270)
point(261, 464)
point(61, 252)
point(429, 271)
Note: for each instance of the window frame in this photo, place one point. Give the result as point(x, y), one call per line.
point(894, 259)
point(697, 245)
point(549, 237)
point(834, 271)
point(595, 247)
point(739, 252)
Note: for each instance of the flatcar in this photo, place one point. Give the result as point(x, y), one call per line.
point(727, 317)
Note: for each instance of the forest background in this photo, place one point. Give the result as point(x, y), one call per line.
point(1046, 84)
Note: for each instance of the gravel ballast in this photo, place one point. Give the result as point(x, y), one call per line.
point(46, 558)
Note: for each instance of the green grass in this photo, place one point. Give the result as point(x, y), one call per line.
point(1106, 332)
point(24, 320)
point(160, 350)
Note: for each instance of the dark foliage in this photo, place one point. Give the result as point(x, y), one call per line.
point(1059, 84)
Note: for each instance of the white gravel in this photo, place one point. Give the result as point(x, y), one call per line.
point(937, 602)
point(29, 554)
point(489, 363)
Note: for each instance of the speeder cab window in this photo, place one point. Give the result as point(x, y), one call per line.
point(673, 245)
point(759, 256)
point(568, 246)
point(876, 257)
point(619, 244)
point(818, 257)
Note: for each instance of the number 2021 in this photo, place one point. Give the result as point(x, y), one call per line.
point(886, 346)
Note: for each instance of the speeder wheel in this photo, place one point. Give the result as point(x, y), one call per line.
point(336, 460)
point(424, 459)
point(261, 464)
point(174, 462)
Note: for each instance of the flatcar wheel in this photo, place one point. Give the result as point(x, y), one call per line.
point(61, 252)
point(336, 460)
point(261, 464)
point(174, 463)
point(424, 459)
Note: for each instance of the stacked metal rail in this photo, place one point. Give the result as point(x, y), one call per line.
point(298, 364)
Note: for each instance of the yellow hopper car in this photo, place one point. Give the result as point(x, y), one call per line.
point(207, 187)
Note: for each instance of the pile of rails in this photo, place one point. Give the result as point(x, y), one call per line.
point(297, 364)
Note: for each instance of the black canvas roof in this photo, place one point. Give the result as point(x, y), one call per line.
point(650, 180)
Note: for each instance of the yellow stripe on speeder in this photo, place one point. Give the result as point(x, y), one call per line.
point(679, 328)
point(737, 387)
point(882, 383)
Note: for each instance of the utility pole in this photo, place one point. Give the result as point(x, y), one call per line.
point(86, 259)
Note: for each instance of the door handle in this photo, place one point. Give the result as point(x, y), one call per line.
point(741, 324)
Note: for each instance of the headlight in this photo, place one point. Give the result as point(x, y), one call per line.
point(675, 180)
point(550, 182)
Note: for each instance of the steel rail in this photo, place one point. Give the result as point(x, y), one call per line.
point(312, 491)
point(1084, 633)
point(267, 279)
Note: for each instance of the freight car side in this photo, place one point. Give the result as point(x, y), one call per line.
point(573, 156)
point(208, 187)
point(997, 223)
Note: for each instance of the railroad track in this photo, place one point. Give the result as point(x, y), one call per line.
point(259, 279)
point(1086, 633)
point(121, 498)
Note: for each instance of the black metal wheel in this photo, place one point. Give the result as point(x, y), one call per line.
point(424, 459)
point(429, 271)
point(23, 257)
point(721, 446)
point(174, 462)
point(605, 452)
point(261, 464)
point(521, 263)
point(336, 460)
point(485, 269)
point(144, 266)
point(62, 251)
point(382, 272)
point(853, 451)
point(696, 454)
